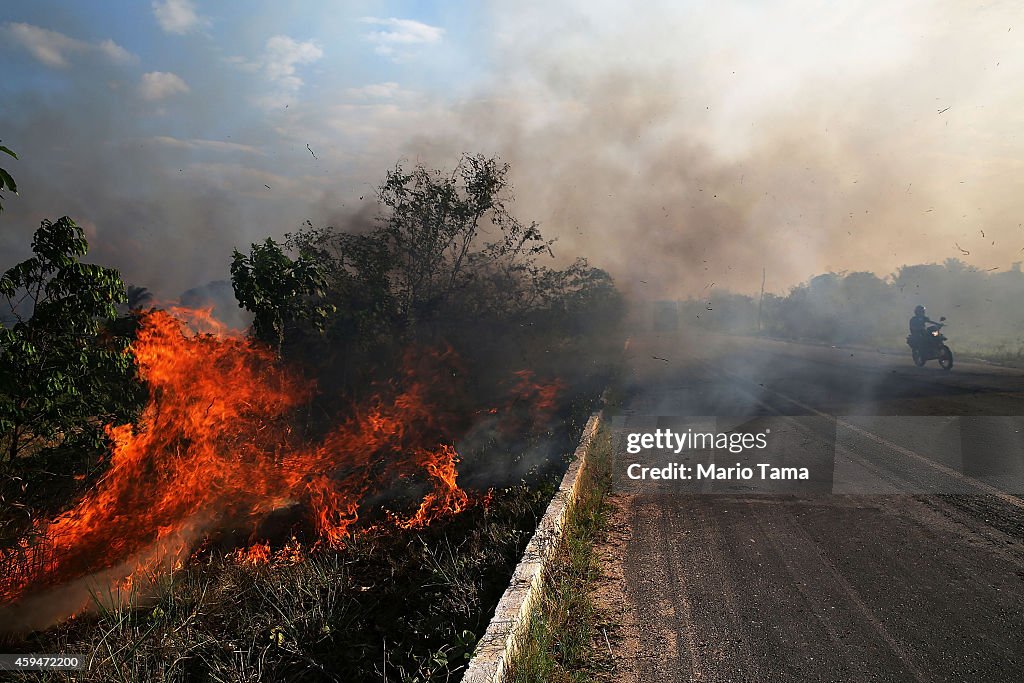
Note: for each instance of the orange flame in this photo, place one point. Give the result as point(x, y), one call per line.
point(215, 449)
point(446, 497)
point(538, 399)
point(257, 553)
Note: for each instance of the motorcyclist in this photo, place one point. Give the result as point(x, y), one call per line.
point(918, 323)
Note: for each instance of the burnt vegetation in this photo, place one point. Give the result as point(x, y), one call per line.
point(445, 270)
point(410, 606)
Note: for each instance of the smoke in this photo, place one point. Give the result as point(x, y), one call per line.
point(141, 209)
point(673, 145)
point(681, 147)
point(862, 309)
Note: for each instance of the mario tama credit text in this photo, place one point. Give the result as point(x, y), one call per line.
point(723, 455)
point(732, 442)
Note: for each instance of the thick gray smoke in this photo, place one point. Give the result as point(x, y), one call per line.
point(682, 147)
point(692, 146)
point(673, 145)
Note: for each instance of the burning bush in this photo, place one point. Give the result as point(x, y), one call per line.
point(386, 369)
point(408, 605)
point(218, 447)
point(445, 261)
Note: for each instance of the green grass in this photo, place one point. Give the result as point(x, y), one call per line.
point(559, 643)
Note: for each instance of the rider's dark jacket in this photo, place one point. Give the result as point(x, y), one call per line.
point(917, 326)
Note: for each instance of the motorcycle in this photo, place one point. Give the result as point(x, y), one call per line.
point(932, 346)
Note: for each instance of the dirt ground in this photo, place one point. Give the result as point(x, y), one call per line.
point(619, 621)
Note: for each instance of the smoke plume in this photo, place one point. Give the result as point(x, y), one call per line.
point(673, 145)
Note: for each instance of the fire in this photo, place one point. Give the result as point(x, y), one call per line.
point(216, 449)
point(536, 399)
point(446, 497)
point(257, 553)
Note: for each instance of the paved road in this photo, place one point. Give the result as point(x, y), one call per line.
point(904, 561)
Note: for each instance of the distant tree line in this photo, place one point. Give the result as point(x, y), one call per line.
point(984, 308)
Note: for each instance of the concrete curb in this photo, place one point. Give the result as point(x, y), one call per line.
point(501, 640)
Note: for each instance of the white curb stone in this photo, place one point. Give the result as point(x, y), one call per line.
point(501, 640)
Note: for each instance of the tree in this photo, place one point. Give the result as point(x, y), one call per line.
point(447, 261)
point(356, 269)
point(278, 290)
point(6, 181)
point(62, 373)
point(431, 224)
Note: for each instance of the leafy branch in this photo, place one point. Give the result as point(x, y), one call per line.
point(6, 181)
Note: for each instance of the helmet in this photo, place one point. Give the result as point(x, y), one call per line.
point(919, 310)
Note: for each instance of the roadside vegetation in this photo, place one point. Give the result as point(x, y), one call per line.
point(409, 606)
point(445, 266)
point(982, 306)
point(6, 180)
point(562, 642)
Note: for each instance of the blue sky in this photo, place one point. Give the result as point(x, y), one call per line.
point(674, 144)
point(264, 52)
point(182, 102)
point(162, 33)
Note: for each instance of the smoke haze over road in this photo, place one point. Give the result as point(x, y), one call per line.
point(674, 145)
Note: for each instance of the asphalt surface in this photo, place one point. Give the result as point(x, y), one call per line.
point(903, 559)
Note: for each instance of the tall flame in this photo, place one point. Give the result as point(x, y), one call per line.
point(215, 448)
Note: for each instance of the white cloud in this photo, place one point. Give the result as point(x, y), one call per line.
point(242, 63)
point(177, 16)
point(49, 47)
point(283, 54)
point(54, 49)
point(115, 52)
point(199, 144)
point(279, 64)
point(376, 91)
point(400, 33)
point(156, 85)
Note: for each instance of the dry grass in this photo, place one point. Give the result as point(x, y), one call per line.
point(561, 643)
point(409, 603)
